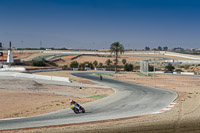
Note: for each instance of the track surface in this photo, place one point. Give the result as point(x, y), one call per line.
point(128, 101)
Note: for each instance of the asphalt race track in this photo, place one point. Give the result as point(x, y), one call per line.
point(129, 100)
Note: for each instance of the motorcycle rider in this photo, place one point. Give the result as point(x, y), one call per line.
point(101, 77)
point(74, 105)
point(72, 102)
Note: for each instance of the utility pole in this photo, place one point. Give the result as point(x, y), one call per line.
point(40, 44)
point(22, 45)
point(154, 67)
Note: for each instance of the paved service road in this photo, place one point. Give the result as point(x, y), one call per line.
point(129, 100)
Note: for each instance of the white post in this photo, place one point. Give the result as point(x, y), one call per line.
point(10, 57)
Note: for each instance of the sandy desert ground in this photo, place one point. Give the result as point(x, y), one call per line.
point(25, 97)
point(183, 118)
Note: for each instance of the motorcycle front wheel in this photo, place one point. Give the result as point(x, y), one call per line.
point(76, 110)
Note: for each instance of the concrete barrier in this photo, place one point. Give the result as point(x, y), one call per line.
point(44, 70)
point(43, 77)
point(32, 76)
point(13, 69)
point(184, 61)
point(180, 55)
point(100, 69)
point(24, 75)
point(8, 74)
point(158, 72)
point(59, 78)
point(96, 52)
point(184, 73)
point(187, 73)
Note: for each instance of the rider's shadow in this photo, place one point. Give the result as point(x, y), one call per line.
point(86, 112)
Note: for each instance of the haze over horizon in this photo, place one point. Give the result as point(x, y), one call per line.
point(95, 24)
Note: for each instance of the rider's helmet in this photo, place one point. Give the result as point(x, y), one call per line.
point(72, 101)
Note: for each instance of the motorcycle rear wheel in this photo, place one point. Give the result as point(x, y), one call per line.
point(83, 110)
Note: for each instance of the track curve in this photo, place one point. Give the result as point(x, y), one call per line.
point(129, 100)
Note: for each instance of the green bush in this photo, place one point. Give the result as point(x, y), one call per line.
point(178, 70)
point(108, 62)
point(128, 67)
point(95, 63)
point(186, 67)
point(137, 67)
point(43, 62)
point(124, 61)
point(82, 66)
point(100, 64)
point(151, 68)
point(169, 67)
point(74, 64)
point(65, 66)
point(39, 63)
point(89, 64)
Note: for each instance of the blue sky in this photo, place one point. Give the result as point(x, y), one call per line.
point(95, 24)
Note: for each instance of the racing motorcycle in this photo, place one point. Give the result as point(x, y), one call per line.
point(76, 107)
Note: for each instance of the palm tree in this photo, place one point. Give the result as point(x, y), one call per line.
point(116, 48)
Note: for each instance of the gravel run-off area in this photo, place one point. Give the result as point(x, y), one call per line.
point(25, 97)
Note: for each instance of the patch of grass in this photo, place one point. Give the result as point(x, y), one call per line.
point(97, 96)
point(183, 100)
point(121, 72)
point(58, 104)
point(63, 102)
point(55, 101)
point(16, 114)
point(37, 108)
point(141, 74)
point(110, 74)
point(189, 97)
